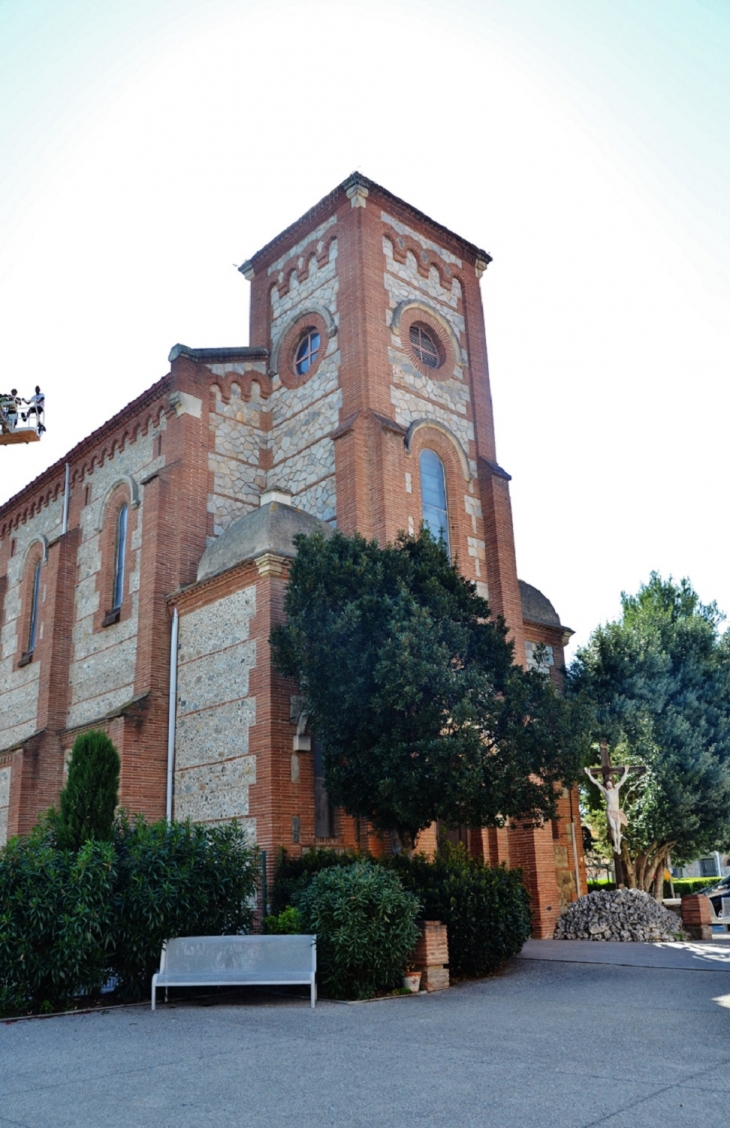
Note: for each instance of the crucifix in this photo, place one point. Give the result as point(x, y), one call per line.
point(610, 789)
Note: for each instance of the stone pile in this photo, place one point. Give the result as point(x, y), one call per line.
point(619, 914)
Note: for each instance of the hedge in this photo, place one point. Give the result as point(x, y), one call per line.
point(72, 920)
point(486, 909)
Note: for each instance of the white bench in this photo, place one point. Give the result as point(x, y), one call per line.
point(237, 961)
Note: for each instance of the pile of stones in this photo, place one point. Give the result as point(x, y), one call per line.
point(619, 914)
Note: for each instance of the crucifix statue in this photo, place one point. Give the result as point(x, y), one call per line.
point(610, 789)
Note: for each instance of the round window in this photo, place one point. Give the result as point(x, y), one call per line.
point(424, 345)
point(306, 351)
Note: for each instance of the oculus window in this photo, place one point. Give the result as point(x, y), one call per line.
point(306, 352)
point(424, 345)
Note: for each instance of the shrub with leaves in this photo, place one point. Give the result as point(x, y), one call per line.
point(90, 797)
point(55, 915)
point(486, 909)
point(365, 923)
point(293, 875)
point(181, 879)
point(287, 923)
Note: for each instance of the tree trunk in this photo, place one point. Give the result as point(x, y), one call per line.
point(628, 867)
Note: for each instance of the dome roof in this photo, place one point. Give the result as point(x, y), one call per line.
point(271, 528)
point(536, 607)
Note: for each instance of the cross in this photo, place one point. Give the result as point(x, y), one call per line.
point(607, 770)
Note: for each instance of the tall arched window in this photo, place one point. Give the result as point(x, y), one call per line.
point(33, 624)
point(121, 547)
point(433, 496)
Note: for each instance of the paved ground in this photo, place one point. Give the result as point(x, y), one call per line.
point(553, 1041)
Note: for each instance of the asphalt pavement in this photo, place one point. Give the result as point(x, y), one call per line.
point(621, 1040)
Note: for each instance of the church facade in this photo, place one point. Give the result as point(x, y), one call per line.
point(140, 576)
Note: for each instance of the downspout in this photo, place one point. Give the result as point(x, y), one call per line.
point(66, 495)
point(172, 714)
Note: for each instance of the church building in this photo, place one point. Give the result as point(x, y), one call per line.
point(141, 575)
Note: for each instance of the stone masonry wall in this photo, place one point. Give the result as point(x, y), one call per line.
point(19, 687)
point(213, 767)
point(103, 662)
point(302, 418)
point(239, 433)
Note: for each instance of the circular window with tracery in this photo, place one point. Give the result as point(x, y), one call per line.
point(307, 351)
point(425, 345)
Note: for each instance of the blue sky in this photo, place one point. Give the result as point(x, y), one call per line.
point(146, 148)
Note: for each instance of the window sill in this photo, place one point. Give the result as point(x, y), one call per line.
point(111, 617)
point(25, 659)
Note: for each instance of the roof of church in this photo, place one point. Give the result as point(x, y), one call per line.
point(329, 203)
point(271, 528)
point(537, 607)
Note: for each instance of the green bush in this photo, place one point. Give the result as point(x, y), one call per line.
point(366, 929)
point(89, 799)
point(181, 879)
point(293, 875)
point(599, 886)
point(685, 885)
point(70, 920)
point(55, 916)
point(287, 923)
point(486, 909)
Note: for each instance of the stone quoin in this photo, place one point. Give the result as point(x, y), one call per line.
point(367, 348)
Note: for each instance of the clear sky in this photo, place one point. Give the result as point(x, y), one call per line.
point(147, 146)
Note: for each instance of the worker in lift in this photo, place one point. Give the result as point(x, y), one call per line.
point(37, 407)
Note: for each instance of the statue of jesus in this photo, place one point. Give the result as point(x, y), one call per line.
point(616, 817)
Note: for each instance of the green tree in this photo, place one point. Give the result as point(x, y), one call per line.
point(410, 686)
point(90, 797)
point(657, 687)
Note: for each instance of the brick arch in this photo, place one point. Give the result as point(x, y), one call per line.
point(123, 480)
point(436, 431)
point(122, 491)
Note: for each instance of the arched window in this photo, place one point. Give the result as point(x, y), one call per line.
point(33, 623)
point(433, 496)
point(121, 547)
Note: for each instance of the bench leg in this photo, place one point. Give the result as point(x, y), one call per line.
point(154, 990)
point(314, 993)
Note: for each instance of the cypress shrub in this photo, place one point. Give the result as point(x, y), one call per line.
point(366, 929)
point(90, 797)
point(486, 909)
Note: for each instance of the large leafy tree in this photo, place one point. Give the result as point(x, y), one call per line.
point(411, 687)
point(657, 684)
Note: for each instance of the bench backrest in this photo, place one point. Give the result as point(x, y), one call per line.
point(249, 955)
